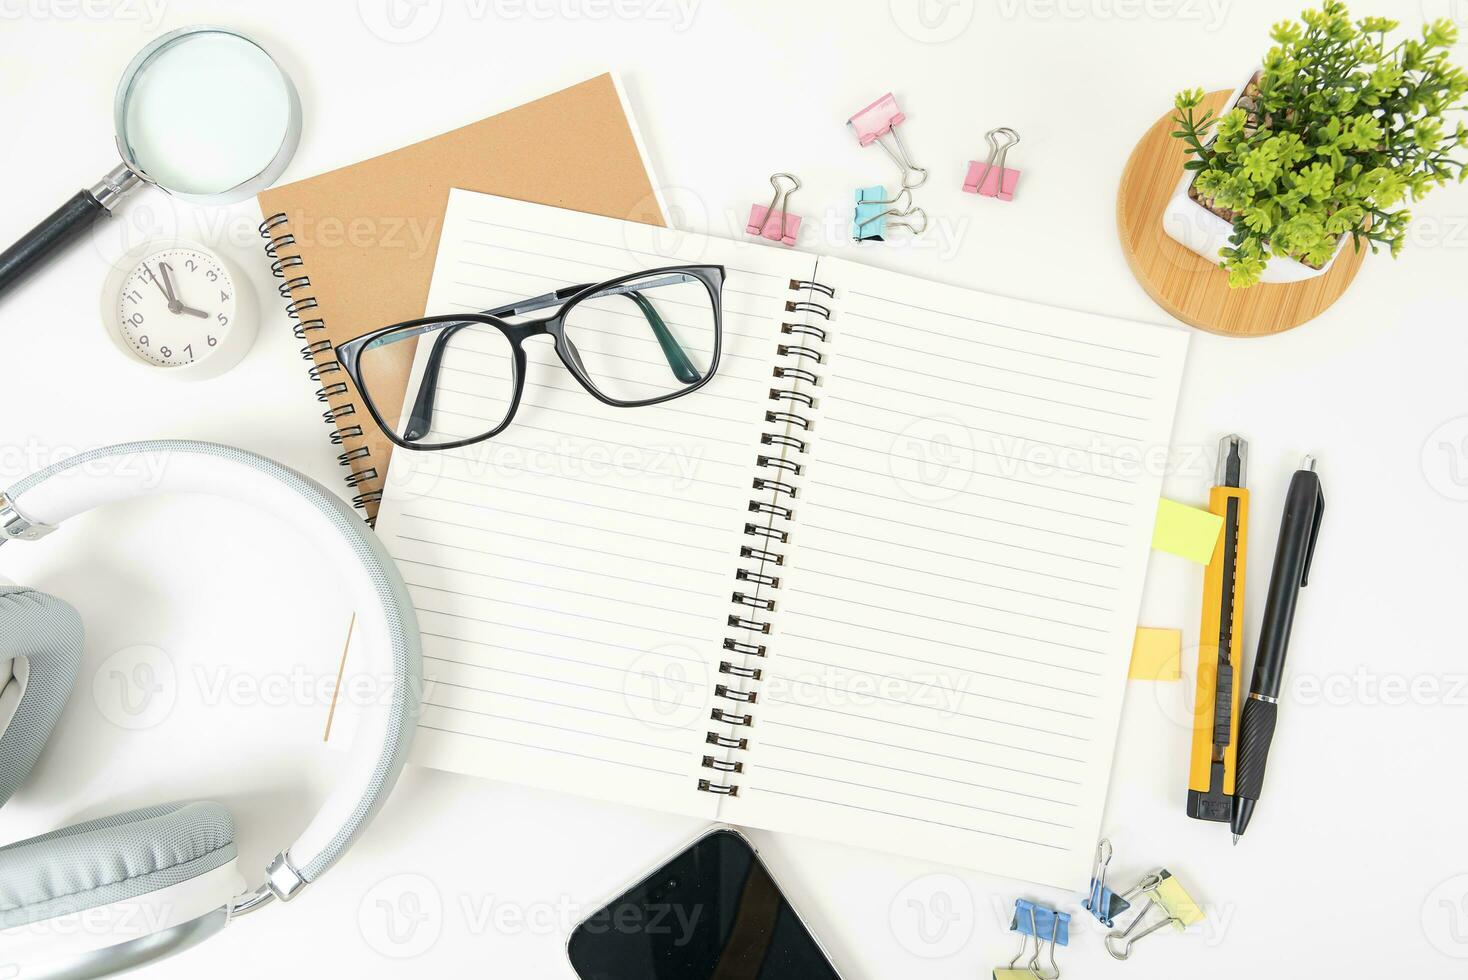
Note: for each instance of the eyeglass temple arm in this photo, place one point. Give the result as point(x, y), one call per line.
point(420, 420)
point(683, 368)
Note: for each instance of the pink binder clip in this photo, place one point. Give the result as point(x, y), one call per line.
point(991, 178)
point(774, 221)
point(879, 119)
point(876, 120)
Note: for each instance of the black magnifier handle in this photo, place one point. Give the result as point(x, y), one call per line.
point(63, 225)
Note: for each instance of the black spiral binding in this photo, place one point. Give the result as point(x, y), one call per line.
point(294, 289)
point(793, 404)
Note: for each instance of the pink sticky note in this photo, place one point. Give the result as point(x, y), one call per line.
point(766, 224)
point(876, 119)
point(993, 185)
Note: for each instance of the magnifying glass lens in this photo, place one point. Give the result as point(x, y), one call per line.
point(206, 114)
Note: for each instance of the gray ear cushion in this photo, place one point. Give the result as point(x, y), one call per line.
point(111, 860)
point(47, 633)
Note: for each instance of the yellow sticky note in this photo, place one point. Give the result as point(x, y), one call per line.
point(1186, 531)
point(1157, 655)
point(1013, 973)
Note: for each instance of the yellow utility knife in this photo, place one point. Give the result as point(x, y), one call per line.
point(1220, 644)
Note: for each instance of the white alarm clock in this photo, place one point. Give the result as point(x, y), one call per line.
point(181, 307)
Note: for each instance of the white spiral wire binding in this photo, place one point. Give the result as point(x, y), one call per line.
point(802, 357)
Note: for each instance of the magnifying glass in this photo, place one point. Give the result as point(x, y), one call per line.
point(203, 113)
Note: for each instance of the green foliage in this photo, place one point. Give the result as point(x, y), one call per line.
point(1338, 131)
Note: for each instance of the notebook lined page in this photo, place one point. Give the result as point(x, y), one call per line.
point(963, 578)
point(572, 575)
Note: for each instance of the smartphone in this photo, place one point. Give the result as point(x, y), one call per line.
point(711, 913)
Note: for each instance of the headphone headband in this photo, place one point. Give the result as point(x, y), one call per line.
point(386, 631)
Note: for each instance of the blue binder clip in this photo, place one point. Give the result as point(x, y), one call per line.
point(1102, 902)
point(870, 220)
point(1043, 925)
point(874, 207)
point(1041, 922)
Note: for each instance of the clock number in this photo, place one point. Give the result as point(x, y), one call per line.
point(213, 341)
point(135, 296)
point(165, 352)
point(223, 296)
point(223, 320)
point(143, 340)
point(189, 350)
point(190, 265)
point(136, 319)
point(211, 275)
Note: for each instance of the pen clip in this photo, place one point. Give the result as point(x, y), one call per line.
point(1315, 518)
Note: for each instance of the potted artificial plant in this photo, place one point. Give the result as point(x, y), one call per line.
point(1322, 145)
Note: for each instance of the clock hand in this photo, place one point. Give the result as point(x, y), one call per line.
point(191, 311)
point(174, 306)
point(167, 293)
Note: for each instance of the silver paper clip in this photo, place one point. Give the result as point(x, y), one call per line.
point(1057, 937)
point(902, 195)
point(916, 229)
point(1164, 891)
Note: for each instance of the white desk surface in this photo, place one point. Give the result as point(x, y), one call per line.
point(1356, 864)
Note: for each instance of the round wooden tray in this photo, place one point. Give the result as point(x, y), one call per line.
point(1184, 283)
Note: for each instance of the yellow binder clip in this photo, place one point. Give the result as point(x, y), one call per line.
point(1165, 893)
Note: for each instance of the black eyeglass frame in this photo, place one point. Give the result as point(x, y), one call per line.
point(350, 353)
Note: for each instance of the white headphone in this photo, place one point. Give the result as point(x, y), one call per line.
point(70, 900)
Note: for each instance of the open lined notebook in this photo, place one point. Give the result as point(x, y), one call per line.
point(877, 582)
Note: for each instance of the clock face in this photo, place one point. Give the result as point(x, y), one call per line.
point(176, 307)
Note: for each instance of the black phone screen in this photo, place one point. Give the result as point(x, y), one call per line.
point(711, 913)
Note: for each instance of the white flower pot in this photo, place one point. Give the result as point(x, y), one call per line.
point(1200, 230)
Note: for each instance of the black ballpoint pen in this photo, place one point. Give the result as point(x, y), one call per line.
point(1298, 530)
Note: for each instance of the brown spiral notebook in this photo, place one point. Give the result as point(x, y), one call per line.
point(354, 248)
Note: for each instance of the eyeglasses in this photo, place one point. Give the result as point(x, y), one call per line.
point(640, 339)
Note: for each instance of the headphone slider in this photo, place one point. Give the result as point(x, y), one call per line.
point(15, 526)
point(283, 879)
